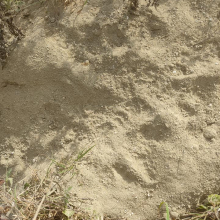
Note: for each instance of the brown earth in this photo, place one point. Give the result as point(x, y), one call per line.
point(142, 86)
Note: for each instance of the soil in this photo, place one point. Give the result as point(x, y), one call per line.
point(142, 85)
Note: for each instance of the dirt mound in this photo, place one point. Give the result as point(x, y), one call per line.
point(142, 86)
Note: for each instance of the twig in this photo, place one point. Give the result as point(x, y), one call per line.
point(41, 203)
point(39, 207)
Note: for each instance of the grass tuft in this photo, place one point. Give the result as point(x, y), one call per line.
point(209, 209)
point(44, 198)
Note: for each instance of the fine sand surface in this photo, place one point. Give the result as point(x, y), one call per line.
point(141, 86)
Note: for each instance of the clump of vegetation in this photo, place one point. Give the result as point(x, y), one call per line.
point(44, 198)
point(209, 209)
point(11, 4)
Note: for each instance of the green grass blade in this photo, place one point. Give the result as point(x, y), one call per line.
point(167, 210)
point(83, 153)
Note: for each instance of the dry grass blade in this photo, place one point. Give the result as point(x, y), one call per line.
point(42, 198)
point(39, 207)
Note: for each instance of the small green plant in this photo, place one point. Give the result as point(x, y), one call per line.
point(8, 178)
point(167, 209)
point(67, 166)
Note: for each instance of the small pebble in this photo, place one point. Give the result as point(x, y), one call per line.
point(52, 19)
point(174, 215)
point(209, 133)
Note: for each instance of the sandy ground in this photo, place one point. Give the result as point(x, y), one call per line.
point(143, 87)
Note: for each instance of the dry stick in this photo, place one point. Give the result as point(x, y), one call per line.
point(41, 203)
point(39, 207)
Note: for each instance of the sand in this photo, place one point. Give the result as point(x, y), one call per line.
point(142, 87)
